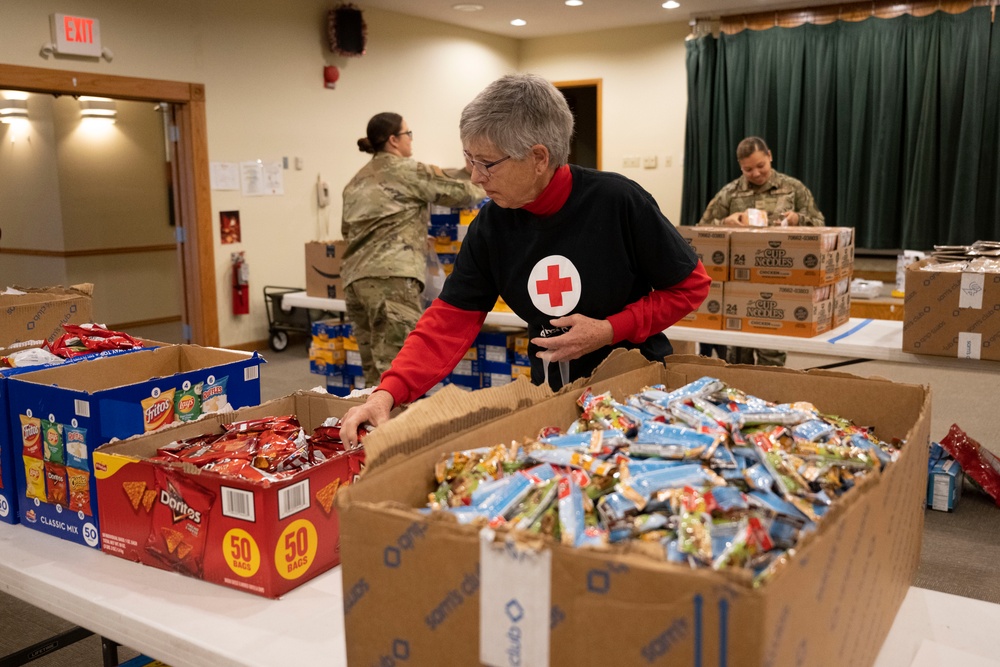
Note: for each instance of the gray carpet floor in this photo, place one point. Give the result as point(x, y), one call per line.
point(960, 548)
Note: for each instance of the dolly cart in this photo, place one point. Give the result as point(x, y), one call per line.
point(281, 320)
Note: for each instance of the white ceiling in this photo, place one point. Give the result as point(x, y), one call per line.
point(546, 18)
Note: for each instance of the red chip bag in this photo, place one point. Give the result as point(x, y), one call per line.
point(179, 524)
point(55, 483)
point(979, 463)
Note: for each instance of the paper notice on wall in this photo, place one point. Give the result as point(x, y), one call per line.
point(514, 603)
point(224, 175)
point(262, 177)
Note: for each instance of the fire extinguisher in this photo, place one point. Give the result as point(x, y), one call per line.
point(241, 284)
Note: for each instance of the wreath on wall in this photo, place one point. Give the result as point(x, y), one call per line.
point(346, 30)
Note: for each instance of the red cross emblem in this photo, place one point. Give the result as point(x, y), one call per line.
point(554, 286)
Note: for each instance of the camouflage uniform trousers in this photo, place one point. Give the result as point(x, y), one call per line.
point(745, 355)
point(383, 311)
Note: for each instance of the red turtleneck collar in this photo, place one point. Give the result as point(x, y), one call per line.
point(554, 195)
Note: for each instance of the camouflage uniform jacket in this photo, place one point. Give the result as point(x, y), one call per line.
point(386, 214)
point(780, 194)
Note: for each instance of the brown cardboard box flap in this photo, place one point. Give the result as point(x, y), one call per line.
point(452, 410)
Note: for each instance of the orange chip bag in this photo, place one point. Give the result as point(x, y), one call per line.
point(34, 475)
point(78, 482)
point(55, 483)
point(158, 410)
point(179, 523)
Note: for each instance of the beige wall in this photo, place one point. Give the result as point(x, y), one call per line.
point(262, 61)
point(644, 89)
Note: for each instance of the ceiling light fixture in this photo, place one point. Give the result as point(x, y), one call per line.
point(467, 8)
point(98, 107)
point(671, 4)
point(574, 3)
point(13, 110)
point(519, 22)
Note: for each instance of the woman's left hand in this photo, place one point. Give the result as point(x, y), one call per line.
point(792, 219)
point(585, 335)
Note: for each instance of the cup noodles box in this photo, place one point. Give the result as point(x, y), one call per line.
point(75, 408)
point(265, 537)
point(11, 447)
point(789, 255)
point(38, 313)
point(709, 314)
point(425, 586)
point(951, 314)
point(787, 310)
point(711, 244)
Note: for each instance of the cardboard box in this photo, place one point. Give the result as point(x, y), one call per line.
point(712, 247)
point(323, 264)
point(786, 310)
point(951, 314)
point(709, 314)
point(841, 301)
point(264, 538)
point(39, 313)
point(11, 447)
point(945, 479)
point(788, 255)
point(102, 399)
point(413, 584)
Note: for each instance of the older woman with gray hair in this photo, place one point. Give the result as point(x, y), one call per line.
point(585, 257)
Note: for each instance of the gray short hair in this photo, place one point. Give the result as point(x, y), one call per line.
point(517, 111)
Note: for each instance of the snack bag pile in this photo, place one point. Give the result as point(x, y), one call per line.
point(705, 475)
point(267, 449)
point(86, 338)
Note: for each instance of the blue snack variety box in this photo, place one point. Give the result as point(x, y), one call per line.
point(944, 480)
point(70, 410)
point(12, 434)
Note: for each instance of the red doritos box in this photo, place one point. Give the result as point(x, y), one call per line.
point(264, 536)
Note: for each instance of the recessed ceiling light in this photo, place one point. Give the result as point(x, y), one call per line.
point(519, 22)
point(467, 8)
point(671, 4)
point(574, 3)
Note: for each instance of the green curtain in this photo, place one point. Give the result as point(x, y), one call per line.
point(893, 124)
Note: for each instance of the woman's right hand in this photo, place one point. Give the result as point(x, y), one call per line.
point(375, 411)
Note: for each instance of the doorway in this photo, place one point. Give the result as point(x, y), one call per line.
point(190, 196)
point(584, 99)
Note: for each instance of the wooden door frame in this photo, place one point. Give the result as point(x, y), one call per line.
point(194, 192)
point(586, 83)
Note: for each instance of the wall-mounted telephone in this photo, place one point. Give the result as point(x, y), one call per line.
point(322, 192)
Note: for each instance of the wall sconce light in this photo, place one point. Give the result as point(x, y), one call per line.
point(98, 107)
point(13, 110)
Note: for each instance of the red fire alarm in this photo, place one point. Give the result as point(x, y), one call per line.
point(330, 76)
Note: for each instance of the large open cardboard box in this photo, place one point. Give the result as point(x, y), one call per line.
point(412, 582)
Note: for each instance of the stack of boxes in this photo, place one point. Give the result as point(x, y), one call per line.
point(334, 354)
point(776, 280)
point(498, 357)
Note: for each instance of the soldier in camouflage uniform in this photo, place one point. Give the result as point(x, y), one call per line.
point(385, 222)
point(786, 201)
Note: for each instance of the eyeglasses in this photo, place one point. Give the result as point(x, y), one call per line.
point(484, 167)
point(408, 133)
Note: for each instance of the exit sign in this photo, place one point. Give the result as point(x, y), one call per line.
point(76, 35)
